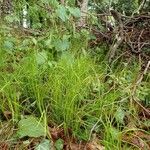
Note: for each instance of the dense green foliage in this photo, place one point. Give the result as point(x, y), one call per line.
point(49, 71)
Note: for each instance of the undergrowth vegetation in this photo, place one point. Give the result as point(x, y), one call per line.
point(55, 87)
point(74, 92)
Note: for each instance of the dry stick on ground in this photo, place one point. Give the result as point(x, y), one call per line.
point(139, 80)
point(139, 43)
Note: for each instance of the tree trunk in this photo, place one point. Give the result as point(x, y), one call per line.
point(84, 11)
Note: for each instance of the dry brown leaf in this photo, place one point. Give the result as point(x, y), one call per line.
point(4, 146)
point(56, 133)
point(74, 146)
point(71, 144)
point(138, 138)
point(7, 114)
point(94, 144)
point(142, 135)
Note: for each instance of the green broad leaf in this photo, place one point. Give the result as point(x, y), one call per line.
point(53, 3)
point(41, 57)
point(75, 12)
point(62, 13)
point(8, 46)
point(119, 115)
point(62, 45)
point(44, 145)
point(48, 43)
point(30, 127)
point(59, 144)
